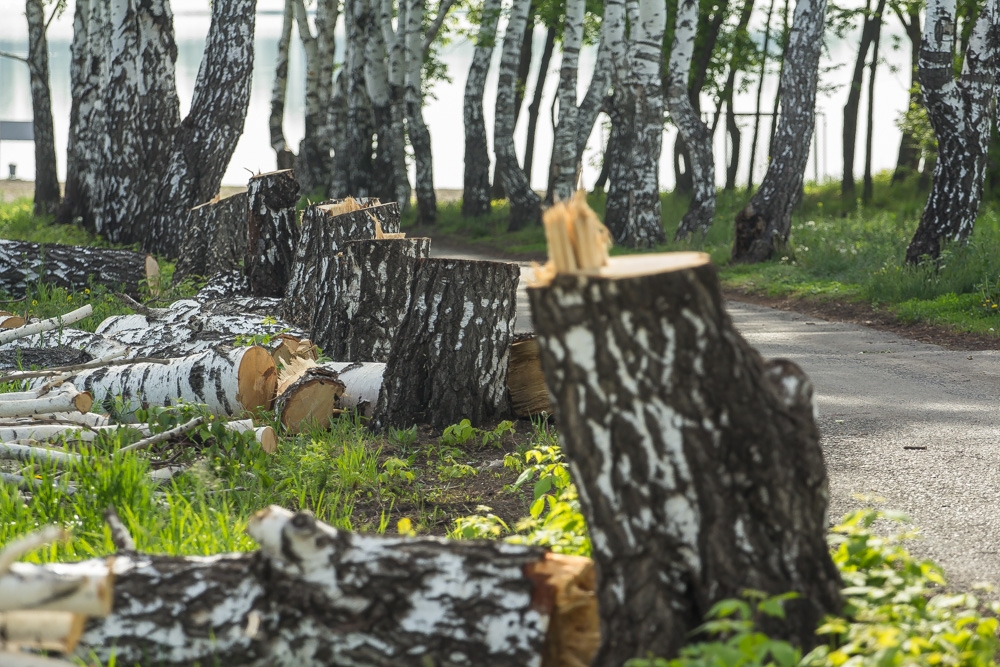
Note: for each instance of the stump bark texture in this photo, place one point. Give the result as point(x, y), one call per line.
point(457, 335)
point(216, 238)
point(273, 232)
point(698, 463)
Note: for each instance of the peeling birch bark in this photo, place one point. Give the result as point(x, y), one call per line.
point(316, 596)
point(273, 232)
point(476, 177)
point(70, 267)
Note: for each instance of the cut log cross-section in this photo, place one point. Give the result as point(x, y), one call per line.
point(458, 333)
point(360, 310)
point(310, 399)
point(698, 463)
point(273, 232)
point(228, 383)
point(325, 229)
point(71, 267)
point(315, 596)
point(217, 237)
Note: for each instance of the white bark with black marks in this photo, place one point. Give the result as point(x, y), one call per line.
point(385, 76)
point(285, 156)
point(46, 180)
point(313, 163)
point(216, 238)
point(273, 232)
point(72, 267)
point(420, 136)
point(476, 181)
point(564, 144)
point(690, 127)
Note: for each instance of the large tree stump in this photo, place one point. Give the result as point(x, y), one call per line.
point(325, 229)
point(216, 238)
point(358, 312)
point(698, 463)
point(273, 231)
point(315, 596)
point(72, 267)
point(457, 335)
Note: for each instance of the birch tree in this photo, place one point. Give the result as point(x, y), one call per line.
point(564, 153)
point(525, 205)
point(354, 174)
point(135, 165)
point(476, 179)
point(690, 127)
point(37, 60)
point(284, 155)
point(767, 218)
point(313, 165)
point(633, 204)
point(959, 110)
point(869, 30)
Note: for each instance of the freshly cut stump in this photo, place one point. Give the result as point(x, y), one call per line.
point(310, 400)
point(314, 596)
point(273, 232)
point(358, 313)
point(229, 382)
point(457, 335)
point(525, 380)
point(216, 238)
point(72, 267)
point(698, 462)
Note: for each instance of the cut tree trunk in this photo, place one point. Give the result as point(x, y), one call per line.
point(273, 232)
point(698, 463)
point(71, 267)
point(228, 383)
point(64, 399)
point(91, 345)
point(216, 238)
point(358, 313)
point(310, 401)
point(476, 180)
point(315, 596)
point(30, 357)
point(325, 230)
point(225, 285)
point(458, 333)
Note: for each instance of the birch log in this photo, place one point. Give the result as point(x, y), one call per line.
point(81, 588)
point(14, 358)
point(89, 345)
point(65, 399)
point(224, 285)
point(273, 232)
point(698, 463)
point(228, 383)
point(362, 384)
point(41, 630)
point(310, 400)
point(49, 324)
point(458, 333)
point(70, 267)
point(316, 596)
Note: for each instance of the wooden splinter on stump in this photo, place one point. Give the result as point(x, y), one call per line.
point(698, 463)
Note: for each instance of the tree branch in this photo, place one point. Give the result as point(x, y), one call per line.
point(302, 21)
point(432, 32)
point(5, 54)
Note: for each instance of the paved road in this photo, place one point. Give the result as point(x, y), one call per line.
point(910, 423)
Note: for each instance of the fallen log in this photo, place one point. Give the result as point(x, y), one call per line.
point(10, 320)
point(273, 232)
point(225, 285)
point(458, 332)
point(216, 238)
point(308, 400)
point(66, 398)
point(94, 346)
point(358, 312)
point(698, 464)
point(80, 588)
point(41, 630)
point(46, 325)
point(30, 484)
point(16, 358)
point(264, 435)
point(325, 229)
point(21, 659)
point(316, 596)
point(70, 267)
point(228, 382)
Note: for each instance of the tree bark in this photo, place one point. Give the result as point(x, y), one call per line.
point(313, 595)
point(216, 238)
point(385, 76)
point(31, 357)
point(476, 179)
point(760, 94)
point(564, 144)
point(520, 85)
point(536, 101)
point(633, 205)
point(310, 401)
point(313, 163)
point(458, 333)
point(420, 136)
point(766, 220)
point(959, 111)
point(273, 232)
point(873, 68)
point(698, 463)
point(71, 267)
point(869, 28)
point(46, 179)
point(285, 156)
point(354, 154)
point(525, 205)
point(908, 160)
point(697, 139)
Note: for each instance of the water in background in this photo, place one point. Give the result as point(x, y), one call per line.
point(444, 113)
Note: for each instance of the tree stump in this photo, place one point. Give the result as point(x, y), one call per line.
point(273, 232)
point(358, 312)
point(216, 238)
point(325, 228)
point(225, 285)
point(698, 463)
point(458, 333)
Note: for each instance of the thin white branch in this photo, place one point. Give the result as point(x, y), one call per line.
point(19, 547)
point(46, 325)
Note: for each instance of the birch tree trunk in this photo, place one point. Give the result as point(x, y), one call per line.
point(285, 156)
point(698, 463)
point(273, 232)
point(564, 143)
point(536, 100)
point(690, 127)
point(525, 205)
point(355, 152)
point(595, 98)
point(420, 136)
point(869, 187)
point(382, 67)
point(633, 205)
point(46, 180)
point(476, 179)
point(908, 160)
point(851, 109)
point(142, 165)
point(760, 93)
point(959, 111)
point(766, 220)
point(313, 164)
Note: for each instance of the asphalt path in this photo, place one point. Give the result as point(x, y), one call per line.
point(905, 425)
